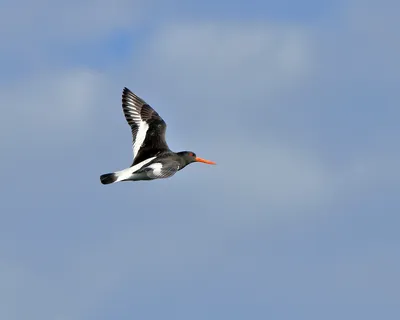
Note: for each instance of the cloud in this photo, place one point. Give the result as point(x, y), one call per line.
point(219, 64)
point(233, 77)
point(244, 95)
point(234, 80)
point(230, 77)
point(224, 62)
point(54, 103)
point(72, 23)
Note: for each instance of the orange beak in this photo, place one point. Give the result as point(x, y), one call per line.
point(204, 160)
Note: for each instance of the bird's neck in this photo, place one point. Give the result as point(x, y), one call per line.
point(183, 161)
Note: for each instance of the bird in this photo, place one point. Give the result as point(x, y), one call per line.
point(152, 158)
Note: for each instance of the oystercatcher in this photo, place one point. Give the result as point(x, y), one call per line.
point(152, 158)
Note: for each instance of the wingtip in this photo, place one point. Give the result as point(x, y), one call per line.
point(126, 93)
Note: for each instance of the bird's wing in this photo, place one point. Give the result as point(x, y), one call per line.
point(160, 170)
point(148, 128)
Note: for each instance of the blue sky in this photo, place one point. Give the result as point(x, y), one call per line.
point(298, 103)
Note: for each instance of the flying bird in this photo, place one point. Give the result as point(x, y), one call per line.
point(152, 158)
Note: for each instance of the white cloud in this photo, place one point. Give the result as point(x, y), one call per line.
point(219, 71)
point(71, 22)
point(361, 47)
point(226, 62)
point(267, 180)
point(229, 76)
point(58, 101)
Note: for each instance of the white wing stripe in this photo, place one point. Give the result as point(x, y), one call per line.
point(127, 173)
point(140, 136)
point(133, 112)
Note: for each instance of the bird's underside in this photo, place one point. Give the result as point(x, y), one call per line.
point(149, 169)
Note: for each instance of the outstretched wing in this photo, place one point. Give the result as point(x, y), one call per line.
point(148, 128)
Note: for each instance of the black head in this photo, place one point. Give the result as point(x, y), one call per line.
point(189, 157)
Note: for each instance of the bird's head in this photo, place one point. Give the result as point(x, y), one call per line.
point(190, 157)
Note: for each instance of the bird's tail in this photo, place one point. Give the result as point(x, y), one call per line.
point(123, 175)
point(108, 178)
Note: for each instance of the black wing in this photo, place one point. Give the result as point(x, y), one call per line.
point(148, 128)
